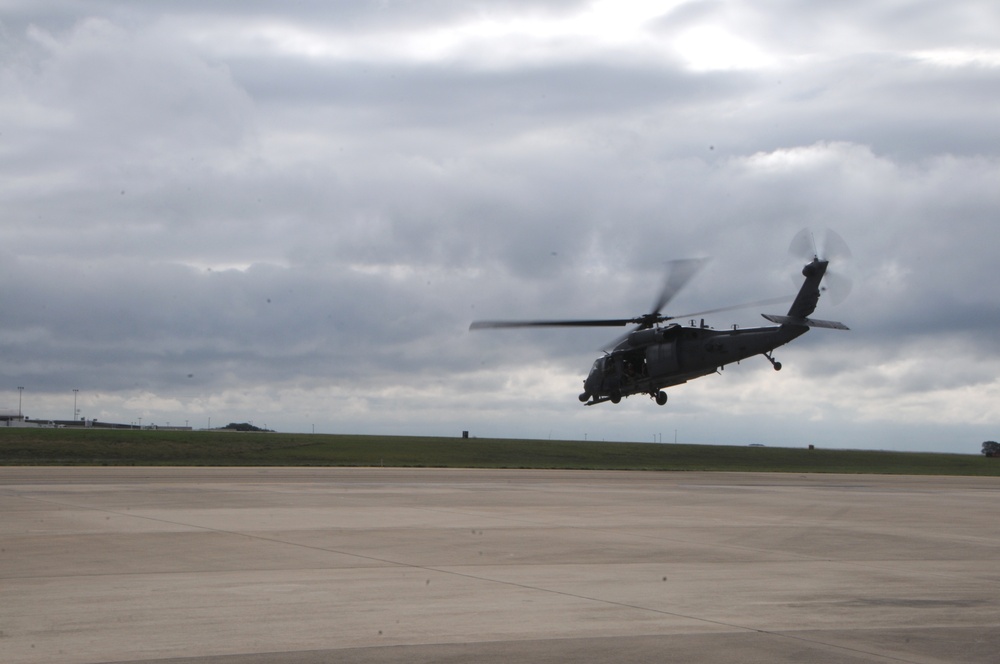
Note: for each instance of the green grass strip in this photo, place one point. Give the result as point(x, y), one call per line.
point(24, 446)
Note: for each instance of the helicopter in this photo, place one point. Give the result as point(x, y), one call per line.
point(657, 354)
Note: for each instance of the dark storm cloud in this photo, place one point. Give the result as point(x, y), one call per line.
point(245, 325)
point(299, 211)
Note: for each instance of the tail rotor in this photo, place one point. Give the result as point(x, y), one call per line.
point(835, 250)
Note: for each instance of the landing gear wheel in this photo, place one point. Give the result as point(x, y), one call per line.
point(616, 397)
point(661, 398)
point(777, 366)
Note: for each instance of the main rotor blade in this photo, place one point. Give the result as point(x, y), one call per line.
point(611, 345)
point(501, 324)
point(679, 273)
point(608, 347)
point(745, 305)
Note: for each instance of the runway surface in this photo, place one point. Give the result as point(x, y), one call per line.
point(300, 566)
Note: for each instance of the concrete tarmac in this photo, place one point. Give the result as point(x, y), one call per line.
point(301, 566)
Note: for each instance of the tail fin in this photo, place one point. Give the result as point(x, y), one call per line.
point(805, 302)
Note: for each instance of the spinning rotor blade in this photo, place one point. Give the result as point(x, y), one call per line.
point(745, 305)
point(835, 250)
point(834, 247)
point(838, 286)
point(804, 247)
point(679, 273)
point(501, 324)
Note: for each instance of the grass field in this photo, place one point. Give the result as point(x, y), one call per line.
point(221, 448)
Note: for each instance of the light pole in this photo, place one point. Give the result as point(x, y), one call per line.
point(20, 391)
point(75, 411)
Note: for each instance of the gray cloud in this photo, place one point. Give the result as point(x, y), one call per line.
point(250, 211)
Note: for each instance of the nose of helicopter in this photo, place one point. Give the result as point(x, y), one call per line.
point(592, 385)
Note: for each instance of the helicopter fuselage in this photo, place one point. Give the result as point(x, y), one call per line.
point(647, 361)
point(654, 356)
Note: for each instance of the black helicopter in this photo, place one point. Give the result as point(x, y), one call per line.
point(654, 356)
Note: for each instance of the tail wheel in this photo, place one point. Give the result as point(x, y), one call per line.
point(661, 398)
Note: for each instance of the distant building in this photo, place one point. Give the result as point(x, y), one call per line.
point(11, 418)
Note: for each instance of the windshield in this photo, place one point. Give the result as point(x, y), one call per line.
point(598, 368)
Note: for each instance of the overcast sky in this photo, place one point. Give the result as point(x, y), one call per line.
point(289, 213)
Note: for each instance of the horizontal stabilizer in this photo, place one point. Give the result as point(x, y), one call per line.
point(805, 322)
